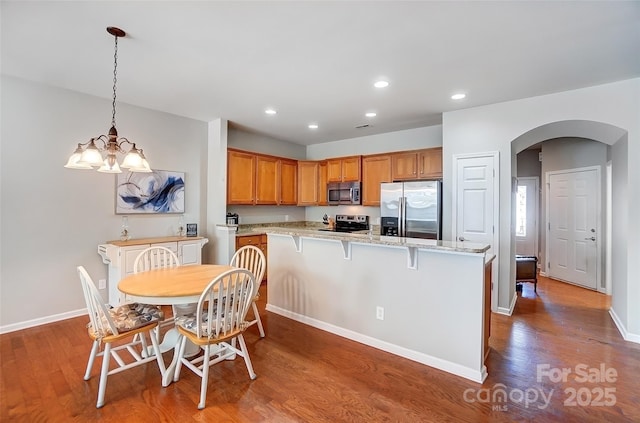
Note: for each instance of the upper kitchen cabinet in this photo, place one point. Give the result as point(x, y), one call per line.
point(261, 179)
point(308, 183)
point(344, 169)
point(419, 164)
point(375, 170)
point(241, 177)
point(288, 182)
point(430, 163)
point(267, 180)
point(322, 183)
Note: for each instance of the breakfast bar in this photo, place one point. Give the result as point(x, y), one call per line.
point(425, 300)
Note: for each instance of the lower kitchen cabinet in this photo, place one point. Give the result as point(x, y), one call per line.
point(259, 241)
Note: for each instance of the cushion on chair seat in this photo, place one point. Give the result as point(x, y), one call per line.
point(190, 322)
point(132, 316)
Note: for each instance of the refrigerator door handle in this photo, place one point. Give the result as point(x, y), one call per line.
point(401, 221)
point(399, 216)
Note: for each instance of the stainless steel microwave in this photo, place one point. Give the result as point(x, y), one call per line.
point(343, 193)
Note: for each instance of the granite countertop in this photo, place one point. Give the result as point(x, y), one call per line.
point(427, 244)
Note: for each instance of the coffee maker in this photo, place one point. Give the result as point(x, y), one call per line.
point(232, 218)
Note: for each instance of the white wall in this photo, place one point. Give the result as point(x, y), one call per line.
point(529, 164)
point(494, 127)
point(54, 218)
point(214, 172)
point(408, 139)
point(257, 143)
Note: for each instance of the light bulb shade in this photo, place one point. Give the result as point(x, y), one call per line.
point(91, 155)
point(110, 165)
point(132, 159)
point(74, 161)
point(144, 167)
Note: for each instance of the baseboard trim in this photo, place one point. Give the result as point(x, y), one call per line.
point(468, 373)
point(508, 311)
point(42, 321)
point(631, 337)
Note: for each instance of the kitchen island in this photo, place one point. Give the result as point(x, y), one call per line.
point(420, 299)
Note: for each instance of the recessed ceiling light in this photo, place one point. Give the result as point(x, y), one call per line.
point(458, 96)
point(370, 114)
point(381, 84)
point(270, 111)
point(313, 126)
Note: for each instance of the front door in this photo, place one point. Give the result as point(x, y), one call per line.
point(573, 207)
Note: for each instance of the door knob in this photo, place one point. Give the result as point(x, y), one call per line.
point(593, 238)
point(461, 239)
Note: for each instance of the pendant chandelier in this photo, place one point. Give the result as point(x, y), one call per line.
point(100, 152)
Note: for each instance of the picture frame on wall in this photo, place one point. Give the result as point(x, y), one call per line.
point(156, 192)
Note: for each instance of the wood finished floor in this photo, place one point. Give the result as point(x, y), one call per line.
point(307, 375)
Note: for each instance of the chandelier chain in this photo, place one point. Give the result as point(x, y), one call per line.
point(115, 80)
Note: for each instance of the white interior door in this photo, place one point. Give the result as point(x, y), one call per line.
point(475, 208)
point(474, 199)
point(572, 242)
point(527, 213)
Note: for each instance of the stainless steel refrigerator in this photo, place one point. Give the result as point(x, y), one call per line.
point(411, 209)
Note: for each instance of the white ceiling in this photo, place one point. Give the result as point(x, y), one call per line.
point(317, 61)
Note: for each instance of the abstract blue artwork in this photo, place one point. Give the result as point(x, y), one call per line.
point(160, 191)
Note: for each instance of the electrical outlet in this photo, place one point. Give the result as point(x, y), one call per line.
point(102, 284)
point(380, 313)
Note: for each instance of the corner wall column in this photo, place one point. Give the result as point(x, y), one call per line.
point(216, 180)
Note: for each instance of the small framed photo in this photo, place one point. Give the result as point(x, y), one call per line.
point(192, 229)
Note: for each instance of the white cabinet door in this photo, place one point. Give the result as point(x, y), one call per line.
point(173, 246)
point(190, 252)
point(128, 257)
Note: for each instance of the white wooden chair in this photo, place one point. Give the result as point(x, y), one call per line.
point(219, 318)
point(157, 257)
point(115, 325)
point(252, 258)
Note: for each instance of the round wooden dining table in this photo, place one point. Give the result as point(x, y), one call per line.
point(178, 285)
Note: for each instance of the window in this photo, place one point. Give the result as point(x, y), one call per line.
point(521, 211)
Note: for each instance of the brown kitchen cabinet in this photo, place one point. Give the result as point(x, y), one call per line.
point(241, 177)
point(344, 169)
point(288, 181)
point(259, 241)
point(417, 164)
point(267, 180)
point(322, 183)
point(261, 179)
point(376, 169)
point(308, 183)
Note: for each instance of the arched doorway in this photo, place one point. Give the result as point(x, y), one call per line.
point(615, 140)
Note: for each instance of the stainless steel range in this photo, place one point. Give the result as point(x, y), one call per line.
point(350, 223)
